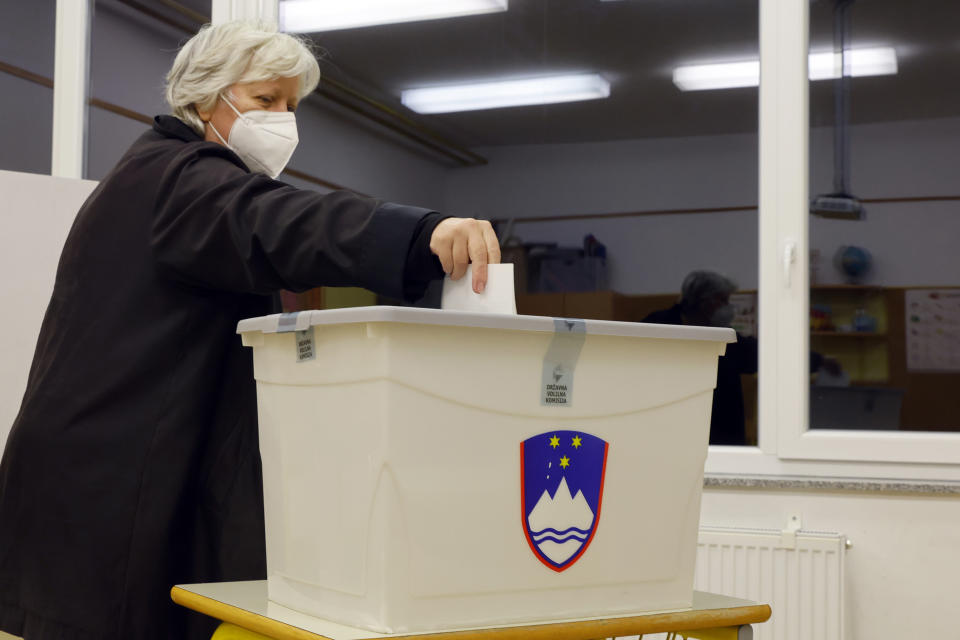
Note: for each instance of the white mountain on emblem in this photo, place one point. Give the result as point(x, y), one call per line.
point(560, 525)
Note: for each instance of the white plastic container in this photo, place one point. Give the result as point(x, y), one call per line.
point(391, 445)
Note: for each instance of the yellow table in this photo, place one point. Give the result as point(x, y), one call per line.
point(245, 604)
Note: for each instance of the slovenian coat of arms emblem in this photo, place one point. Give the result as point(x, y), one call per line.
point(561, 476)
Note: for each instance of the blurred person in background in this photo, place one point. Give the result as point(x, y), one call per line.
point(705, 301)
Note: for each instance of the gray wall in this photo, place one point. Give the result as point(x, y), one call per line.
point(649, 254)
point(912, 243)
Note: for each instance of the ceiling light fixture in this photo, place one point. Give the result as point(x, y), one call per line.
point(506, 93)
point(878, 61)
point(312, 16)
point(724, 75)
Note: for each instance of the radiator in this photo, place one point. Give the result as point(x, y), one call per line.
point(798, 573)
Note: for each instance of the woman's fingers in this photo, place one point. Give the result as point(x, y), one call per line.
point(461, 256)
point(478, 256)
point(457, 242)
point(491, 241)
point(445, 255)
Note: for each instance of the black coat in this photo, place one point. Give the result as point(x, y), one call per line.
point(727, 419)
point(133, 463)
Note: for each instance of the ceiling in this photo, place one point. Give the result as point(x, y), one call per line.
point(635, 44)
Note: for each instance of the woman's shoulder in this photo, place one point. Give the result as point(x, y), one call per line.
point(170, 143)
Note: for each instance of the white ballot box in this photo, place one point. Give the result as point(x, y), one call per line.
point(428, 469)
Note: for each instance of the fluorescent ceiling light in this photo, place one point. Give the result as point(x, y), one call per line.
point(726, 75)
point(881, 61)
point(878, 61)
point(311, 16)
point(506, 93)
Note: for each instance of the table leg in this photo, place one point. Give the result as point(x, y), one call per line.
point(741, 632)
point(227, 631)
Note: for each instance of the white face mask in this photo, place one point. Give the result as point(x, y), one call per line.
point(264, 140)
point(723, 316)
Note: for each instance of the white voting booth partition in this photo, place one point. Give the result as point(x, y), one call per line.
point(429, 469)
point(36, 212)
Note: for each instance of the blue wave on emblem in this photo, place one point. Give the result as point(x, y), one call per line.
point(563, 538)
point(550, 530)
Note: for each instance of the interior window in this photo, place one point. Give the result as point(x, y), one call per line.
point(884, 216)
point(26, 80)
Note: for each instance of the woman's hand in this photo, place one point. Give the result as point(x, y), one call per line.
point(461, 241)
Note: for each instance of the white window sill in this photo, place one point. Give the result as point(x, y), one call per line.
point(807, 483)
point(753, 462)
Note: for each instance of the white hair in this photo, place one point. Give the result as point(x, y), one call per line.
point(699, 286)
point(222, 55)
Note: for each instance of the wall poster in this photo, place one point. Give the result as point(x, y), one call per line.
point(933, 330)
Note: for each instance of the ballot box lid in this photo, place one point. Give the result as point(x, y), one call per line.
point(301, 320)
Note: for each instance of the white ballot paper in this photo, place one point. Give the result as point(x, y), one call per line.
point(498, 297)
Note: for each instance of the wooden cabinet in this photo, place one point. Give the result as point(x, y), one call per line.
point(327, 298)
point(878, 357)
point(851, 324)
point(593, 305)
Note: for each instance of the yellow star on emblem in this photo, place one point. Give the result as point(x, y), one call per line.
point(576, 442)
point(554, 442)
point(564, 462)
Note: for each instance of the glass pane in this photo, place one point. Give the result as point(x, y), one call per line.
point(885, 216)
point(605, 206)
point(26, 81)
point(132, 46)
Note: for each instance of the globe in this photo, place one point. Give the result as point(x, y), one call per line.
point(853, 261)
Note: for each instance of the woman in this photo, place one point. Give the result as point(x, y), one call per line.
point(133, 464)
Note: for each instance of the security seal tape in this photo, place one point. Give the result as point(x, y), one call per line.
point(556, 387)
point(303, 338)
point(287, 322)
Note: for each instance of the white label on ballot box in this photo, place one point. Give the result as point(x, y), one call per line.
point(305, 350)
point(556, 388)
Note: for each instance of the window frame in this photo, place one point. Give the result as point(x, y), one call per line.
point(71, 65)
point(786, 444)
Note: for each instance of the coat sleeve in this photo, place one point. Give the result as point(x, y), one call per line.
point(217, 226)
